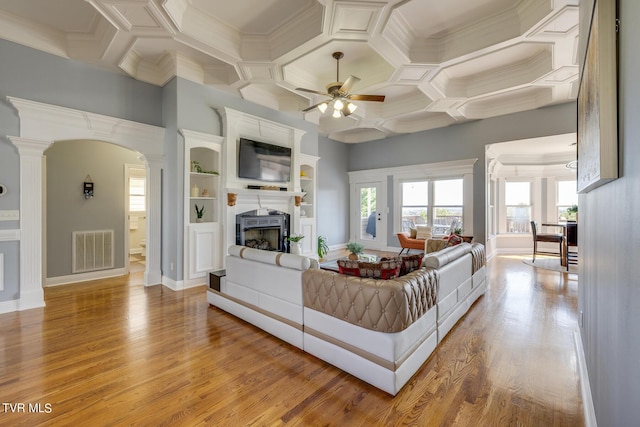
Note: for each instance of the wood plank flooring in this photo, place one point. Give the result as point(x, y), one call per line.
point(112, 352)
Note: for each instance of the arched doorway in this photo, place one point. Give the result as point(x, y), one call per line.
point(40, 126)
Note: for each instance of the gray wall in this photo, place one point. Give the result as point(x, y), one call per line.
point(68, 164)
point(34, 75)
point(463, 141)
point(609, 238)
point(333, 192)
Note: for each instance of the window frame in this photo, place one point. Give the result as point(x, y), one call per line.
point(530, 206)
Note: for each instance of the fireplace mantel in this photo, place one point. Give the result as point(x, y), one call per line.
point(238, 125)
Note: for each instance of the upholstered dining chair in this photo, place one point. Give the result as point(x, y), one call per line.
point(547, 238)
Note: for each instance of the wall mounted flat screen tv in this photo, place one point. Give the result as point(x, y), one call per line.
point(263, 161)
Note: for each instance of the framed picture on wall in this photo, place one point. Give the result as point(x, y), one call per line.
point(597, 101)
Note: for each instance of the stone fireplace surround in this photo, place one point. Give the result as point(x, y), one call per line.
point(263, 201)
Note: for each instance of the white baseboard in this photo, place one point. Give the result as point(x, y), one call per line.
point(84, 277)
point(174, 285)
point(585, 387)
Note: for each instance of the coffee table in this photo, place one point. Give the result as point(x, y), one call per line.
point(333, 264)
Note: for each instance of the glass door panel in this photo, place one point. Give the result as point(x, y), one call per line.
point(370, 218)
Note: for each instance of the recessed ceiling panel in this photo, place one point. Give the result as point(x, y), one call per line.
point(259, 18)
point(428, 18)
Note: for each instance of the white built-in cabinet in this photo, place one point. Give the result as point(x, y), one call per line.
point(202, 190)
point(308, 221)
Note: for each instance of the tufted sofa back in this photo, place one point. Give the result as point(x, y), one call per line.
point(379, 305)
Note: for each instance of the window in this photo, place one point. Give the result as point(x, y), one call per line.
point(437, 203)
point(137, 192)
point(447, 205)
point(517, 196)
point(415, 204)
point(566, 197)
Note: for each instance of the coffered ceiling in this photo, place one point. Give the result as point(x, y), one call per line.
point(437, 62)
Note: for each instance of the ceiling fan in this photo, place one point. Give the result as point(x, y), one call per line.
point(339, 93)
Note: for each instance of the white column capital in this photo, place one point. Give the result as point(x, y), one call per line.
point(30, 147)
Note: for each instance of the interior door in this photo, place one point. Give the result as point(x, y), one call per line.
point(369, 215)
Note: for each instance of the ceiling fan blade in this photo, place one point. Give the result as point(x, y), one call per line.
point(312, 91)
point(374, 98)
point(313, 106)
point(349, 83)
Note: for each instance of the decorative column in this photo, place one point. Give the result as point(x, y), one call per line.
point(153, 272)
point(31, 227)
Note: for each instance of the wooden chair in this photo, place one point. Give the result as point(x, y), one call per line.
point(571, 257)
point(547, 238)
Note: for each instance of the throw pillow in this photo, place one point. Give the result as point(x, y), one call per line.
point(410, 263)
point(423, 232)
point(348, 267)
point(412, 233)
point(384, 269)
point(453, 240)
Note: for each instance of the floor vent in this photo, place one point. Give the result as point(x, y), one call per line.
point(92, 250)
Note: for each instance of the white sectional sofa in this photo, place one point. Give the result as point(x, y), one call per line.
point(380, 331)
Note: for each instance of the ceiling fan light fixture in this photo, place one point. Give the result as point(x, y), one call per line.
point(351, 107)
point(336, 114)
point(338, 105)
point(323, 107)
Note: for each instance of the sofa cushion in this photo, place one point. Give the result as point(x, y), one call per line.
point(423, 232)
point(349, 267)
point(410, 263)
point(384, 269)
point(412, 233)
point(446, 255)
point(295, 262)
point(435, 245)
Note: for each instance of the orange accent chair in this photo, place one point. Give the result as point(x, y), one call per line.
point(408, 243)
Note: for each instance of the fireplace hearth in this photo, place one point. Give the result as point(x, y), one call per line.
point(264, 229)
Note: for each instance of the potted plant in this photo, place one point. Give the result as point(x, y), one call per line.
point(355, 249)
point(295, 245)
point(323, 248)
point(199, 213)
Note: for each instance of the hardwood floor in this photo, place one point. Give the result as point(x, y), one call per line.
point(112, 352)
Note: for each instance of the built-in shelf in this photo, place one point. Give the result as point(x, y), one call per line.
point(202, 243)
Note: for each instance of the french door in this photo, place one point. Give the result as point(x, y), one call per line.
point(369, 214)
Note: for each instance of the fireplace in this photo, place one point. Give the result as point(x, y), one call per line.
point(263, 229)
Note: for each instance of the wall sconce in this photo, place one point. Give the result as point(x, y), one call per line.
point(231, 199)
point(88, 187)
point(298, 200)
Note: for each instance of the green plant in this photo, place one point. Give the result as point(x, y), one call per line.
point(573, 209)
point(323, 248)
point(355, 248)
point(195, 167)
point(458, 231)
point(199, 211)
point(295, 238)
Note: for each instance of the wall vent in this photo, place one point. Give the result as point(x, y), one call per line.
point(92, 250)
